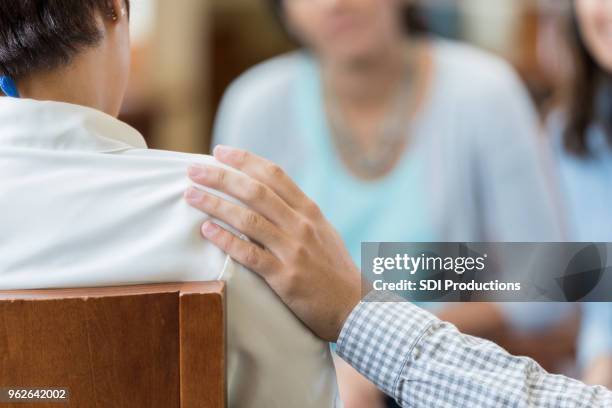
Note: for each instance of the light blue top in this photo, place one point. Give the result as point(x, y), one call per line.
point(586, 187)
point(348, 200)
point(471, 172)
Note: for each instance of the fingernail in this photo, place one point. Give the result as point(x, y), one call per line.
point(195, 171)
point(193, 195)
point(209, 229)
point(222, 151)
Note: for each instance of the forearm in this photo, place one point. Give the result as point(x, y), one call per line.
point(423, 362)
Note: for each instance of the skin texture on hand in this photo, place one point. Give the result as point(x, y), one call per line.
point(294, 248)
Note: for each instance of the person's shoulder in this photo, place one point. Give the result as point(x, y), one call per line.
point(259, 105)
point(172, 157)
point(268, 80)
point(469, 60)
point(169, 167)
point(474, 70)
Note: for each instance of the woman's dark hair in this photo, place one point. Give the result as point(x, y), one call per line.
point(583, 94)
point(37, 35)
point(412, 17)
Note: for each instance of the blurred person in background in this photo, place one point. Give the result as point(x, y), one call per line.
point(398, 136)
point(581, 133)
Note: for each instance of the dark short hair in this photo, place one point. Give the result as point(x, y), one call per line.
point(39, 35)
point(412, 15)
point(581, 95)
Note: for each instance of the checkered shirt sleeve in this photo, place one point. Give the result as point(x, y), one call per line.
point(422, 362)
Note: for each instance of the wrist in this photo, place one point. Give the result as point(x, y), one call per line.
point(348, 304)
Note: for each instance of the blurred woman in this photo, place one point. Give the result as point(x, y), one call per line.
point(397, 135)
point(581, 130)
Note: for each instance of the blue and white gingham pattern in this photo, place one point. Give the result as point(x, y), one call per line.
point(422, 362)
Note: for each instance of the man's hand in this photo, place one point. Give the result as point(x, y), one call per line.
point(294, 248)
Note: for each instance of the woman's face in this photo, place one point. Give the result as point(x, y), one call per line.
point(344, 29)
point(595, 22)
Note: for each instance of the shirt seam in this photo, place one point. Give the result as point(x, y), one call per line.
point(417, 341)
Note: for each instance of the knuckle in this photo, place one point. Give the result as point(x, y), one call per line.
point(274, 171)
point(256, 192)
point(250, 221)
point(220, 177)
point(211, 202)
point(301, 253)
point(306, 230)
point(240, 157)
point(312, 209)
point(252, 256)
point(297, 254)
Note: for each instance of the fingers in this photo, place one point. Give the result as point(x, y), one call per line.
point(247, 253)
point(266, 172)
point(246, 221)
point(249, 191)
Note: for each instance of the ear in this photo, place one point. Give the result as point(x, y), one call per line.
point(116, 10)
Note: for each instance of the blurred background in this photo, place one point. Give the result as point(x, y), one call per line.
point(175, 90)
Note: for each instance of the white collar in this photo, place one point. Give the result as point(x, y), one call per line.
point(27, 123)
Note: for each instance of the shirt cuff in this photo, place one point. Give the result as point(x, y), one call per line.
point(379, 338)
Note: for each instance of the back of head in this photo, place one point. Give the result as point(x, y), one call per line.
point(41, 35)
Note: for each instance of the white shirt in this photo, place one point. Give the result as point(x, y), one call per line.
point(83, 202)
